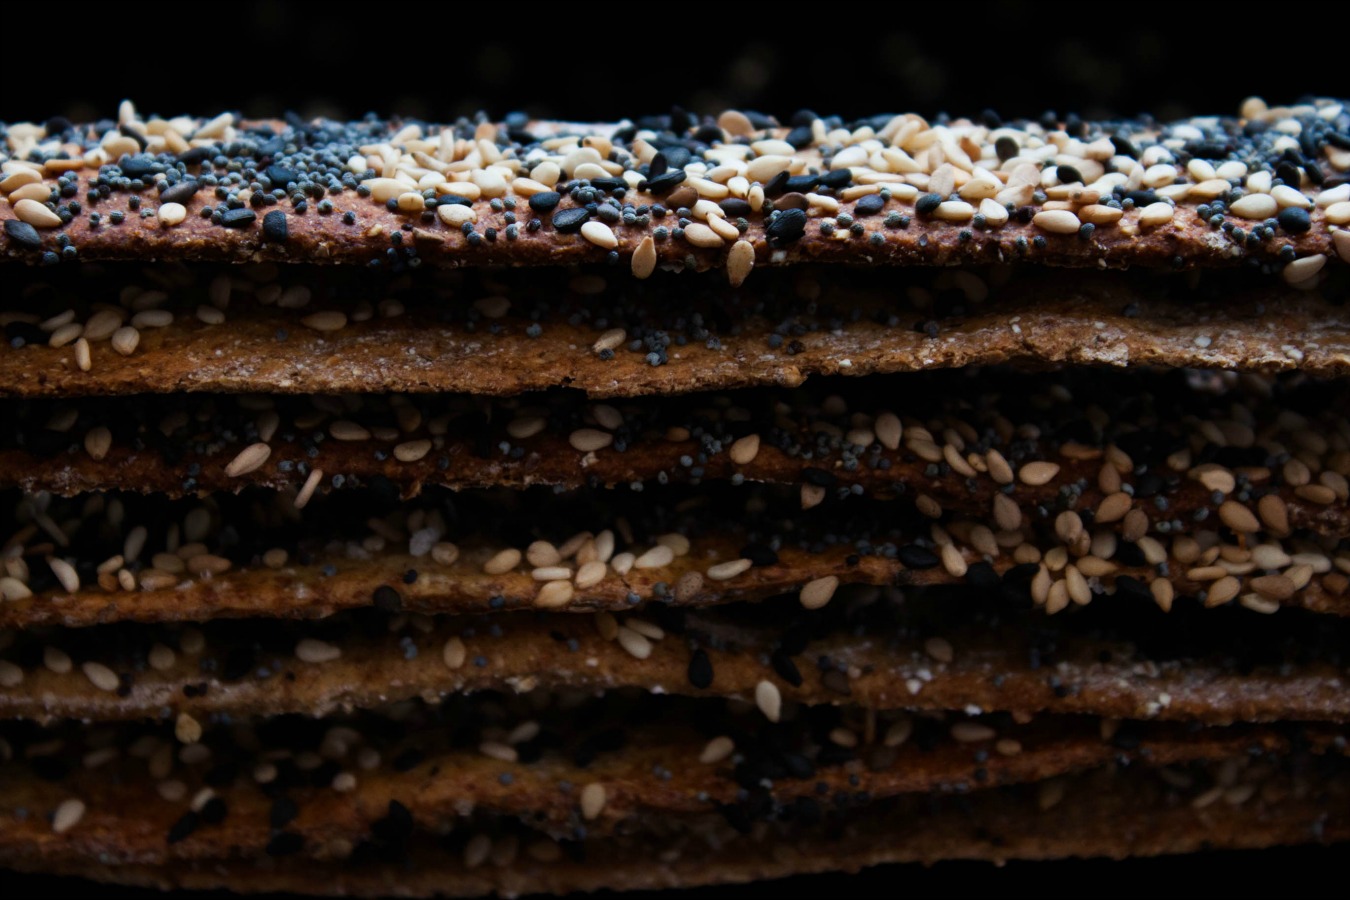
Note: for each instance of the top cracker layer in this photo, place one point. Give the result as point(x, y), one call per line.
point(743, 190)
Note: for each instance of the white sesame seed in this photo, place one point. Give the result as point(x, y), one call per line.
point(954, 211)
point(939, 648)
point(701, 235)
point(1038, 473)
point(995, 213)
point(36, 214)
point(717, 749)
point(498, 751)
point(454, 653)
point(347, 430)
point(636, 644)
point(502, 562)
point(588, 440)
point(600, 234)
point(313, 650)
point(102, 677)
point(65, 573)
point(65, 334)
point(740, 261)
point(172, 213)
point(554, 594)
point(327, 320)
point(898, 732)
point(126, 339)
point(769, 700)
point(644, 258)
point(186, 729)
point(1057, 221)
point(816, 594)
point(657, 557)
point(1254, 206)
point(307, 490)
point(249, 459)
point(97, 442)
point(593, 799)
point(68, 814)
point(161, 658)
point(744, 450)
point(1156, 214)
point(971, 732)
point(412, 451)
point(725, 571)
point(1303, 269)
point(610, 340)
point(84, 361)
point(10, 674)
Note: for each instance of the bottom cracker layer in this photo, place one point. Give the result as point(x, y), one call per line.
point(1106, 813)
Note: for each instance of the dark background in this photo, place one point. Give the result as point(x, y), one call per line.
point(604, 62)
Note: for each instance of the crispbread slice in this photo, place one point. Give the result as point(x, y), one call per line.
point(1101, 814)
point(502, 334)
point(684, 193)
point(328, 785)
point(1138, 448)
point(945, 651)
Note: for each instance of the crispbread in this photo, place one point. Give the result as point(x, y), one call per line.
point(444, 766)
point(386, 220)
point(1194, 665)
point(1106, 814)
point(1075, 318)
point(1179, 446)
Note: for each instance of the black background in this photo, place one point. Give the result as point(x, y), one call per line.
point(609, 61)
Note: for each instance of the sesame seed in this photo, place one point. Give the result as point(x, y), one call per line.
point(36, 214)
point(769, 700)
point(655, 558)
point(554, 594)
point(454, 653)
point(172, 213)
point(65, 573)
point(126, 339)
point(1155, 214)
point(717, 750)
point(740, 261)
point(588, 440)
point(412, 451)
point(502, 562)
point(593, 799)
point(307, 490)
point(313, 650)
point(972, 732)
point(68, 814)
point(744, 450)
point(701, 235)
point(1057, 221)
point(816, 594)
point(499, 751)
point(328, 320)
point(250, 459)
point(100, 676)
point(725, 571)
point(1038, 473)
point(1238, 517)
point(186, 729)
point(1303, 269)
point(636, 644)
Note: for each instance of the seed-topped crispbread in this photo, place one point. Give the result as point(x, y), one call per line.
point(295, 329)
point(948, 650)
point(730, 193)
point(1106, 813)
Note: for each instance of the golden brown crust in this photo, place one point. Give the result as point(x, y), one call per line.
point(1100, 815)
point(994, 668)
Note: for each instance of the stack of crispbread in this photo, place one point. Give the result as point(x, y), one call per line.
point(404, 508)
